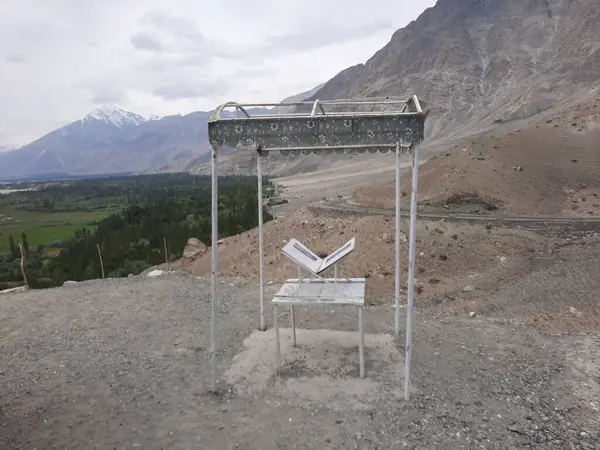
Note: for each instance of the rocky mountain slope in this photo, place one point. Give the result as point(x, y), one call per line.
point(478, 65)
point(296, 98)
point(545, 165)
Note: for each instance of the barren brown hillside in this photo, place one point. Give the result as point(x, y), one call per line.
point(548, 167)
point(460, 268)
point(480, 66)
point(445, 258)
point(474, 62)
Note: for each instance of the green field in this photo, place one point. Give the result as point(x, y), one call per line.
point(44, 227)
point(129, 218)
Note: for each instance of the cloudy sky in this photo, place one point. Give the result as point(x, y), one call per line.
point(60, 59)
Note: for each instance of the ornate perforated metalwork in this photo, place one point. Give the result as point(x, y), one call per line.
point(319, 131)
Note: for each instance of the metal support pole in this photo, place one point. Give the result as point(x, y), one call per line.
point(397, 272)
point(336, 272)
point(293, 318)
point(214, 271)
point(361, 345)
point(261, 249)
point(277, 345)
point(411, 270)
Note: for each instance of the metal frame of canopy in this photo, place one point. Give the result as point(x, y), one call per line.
point(399, 127)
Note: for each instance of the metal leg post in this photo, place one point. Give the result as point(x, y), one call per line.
point(361, 347)
point(411, 271)
point(397, 271)
point(293, 317)
point(214, 271)
point(278, 349)
point(261, 249)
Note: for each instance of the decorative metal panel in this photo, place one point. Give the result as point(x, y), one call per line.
point(351, 131)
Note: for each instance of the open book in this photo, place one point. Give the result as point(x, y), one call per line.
point(302, 255)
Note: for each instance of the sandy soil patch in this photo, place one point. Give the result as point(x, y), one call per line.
point(322, 367)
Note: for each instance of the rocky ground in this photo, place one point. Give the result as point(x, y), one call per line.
point(124, 364)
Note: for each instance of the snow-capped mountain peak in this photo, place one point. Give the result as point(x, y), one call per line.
point(115, 115)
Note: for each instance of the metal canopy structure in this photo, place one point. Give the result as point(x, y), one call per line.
point(370, 124)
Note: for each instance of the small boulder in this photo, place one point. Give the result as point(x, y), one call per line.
point(194, 249)
point(468, 288)
point(155, 273)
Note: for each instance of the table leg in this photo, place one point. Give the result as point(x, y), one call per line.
point(335, 273)
point(278, 353)
point(293, 317)
point(361, 348)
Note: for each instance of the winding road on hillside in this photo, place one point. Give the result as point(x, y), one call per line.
point(341, 206)
point(552, 225)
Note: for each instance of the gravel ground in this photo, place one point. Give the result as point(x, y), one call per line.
point(124, 364)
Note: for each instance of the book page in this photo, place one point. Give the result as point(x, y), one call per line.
point(302, 255)
point(338, 254)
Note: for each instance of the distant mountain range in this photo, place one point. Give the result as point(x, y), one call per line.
point(477, 64)
point(110, 140)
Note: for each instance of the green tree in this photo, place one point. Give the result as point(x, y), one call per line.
point(13, 247)
point(24, 242)
point(151, 208)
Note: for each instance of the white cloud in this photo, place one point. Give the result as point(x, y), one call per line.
point(61, 58)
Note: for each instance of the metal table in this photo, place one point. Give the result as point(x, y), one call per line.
point(315, 292)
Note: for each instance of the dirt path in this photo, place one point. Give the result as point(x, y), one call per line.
point(340, 181)
point(124, 364)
